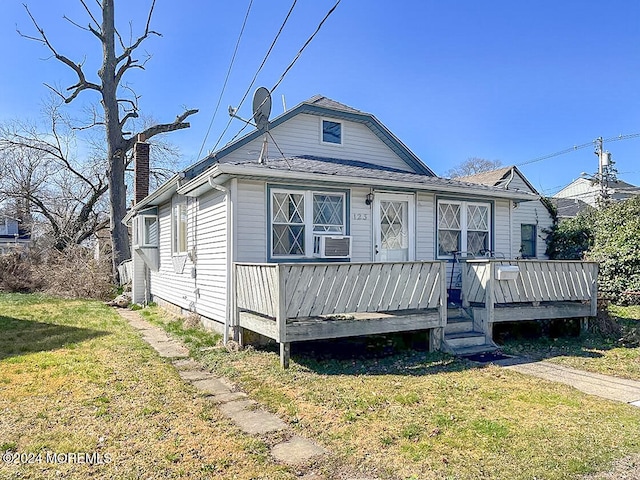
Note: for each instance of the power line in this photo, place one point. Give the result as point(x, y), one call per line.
point(578, 147)
point(293, 62)
point(264, 60)
point(224, 85)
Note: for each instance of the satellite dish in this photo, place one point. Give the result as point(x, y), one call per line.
point(261, 107)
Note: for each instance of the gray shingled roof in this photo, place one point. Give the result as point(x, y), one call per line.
point(569, 207)
point(356, 169)
point(492, 177)
point(326, 102)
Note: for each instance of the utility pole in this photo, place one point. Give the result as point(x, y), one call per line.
point(605, 169)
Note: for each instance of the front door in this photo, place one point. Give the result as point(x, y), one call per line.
point(393, 227)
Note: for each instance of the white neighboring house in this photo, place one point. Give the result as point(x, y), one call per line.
point(337, 185)
point(12, 237)
point(529, 220)
point(588, 191)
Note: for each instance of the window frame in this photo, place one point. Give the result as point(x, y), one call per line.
point(308, 194)
point(336, 121)
point(140, 238)
point(464, 224)
point(177, 204)
point(533, 240)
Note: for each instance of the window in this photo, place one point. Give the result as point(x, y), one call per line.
point(463, 227)
point(331, 132)
point(179, 227)
point(299, 214)
point(528, 241)
point(145, 231)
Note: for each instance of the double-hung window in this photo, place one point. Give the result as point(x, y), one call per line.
point(463, 227)
point(179, 227)
point(528, 241)
point(298, 215)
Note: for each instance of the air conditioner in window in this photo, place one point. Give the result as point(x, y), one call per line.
point(332, 246)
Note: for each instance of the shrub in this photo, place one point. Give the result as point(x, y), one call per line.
point(617, 248)
point(72, 273)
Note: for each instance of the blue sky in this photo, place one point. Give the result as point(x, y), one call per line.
point(501, 80)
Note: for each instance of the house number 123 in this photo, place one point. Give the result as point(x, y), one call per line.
point(360, 216)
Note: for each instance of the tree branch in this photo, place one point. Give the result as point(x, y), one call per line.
point(178, 124)
point(147, 32)
point(82, 83)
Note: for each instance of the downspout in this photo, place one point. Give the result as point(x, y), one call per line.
point(230, 239)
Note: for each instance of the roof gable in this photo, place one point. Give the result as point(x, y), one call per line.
point(500, 177)
point(321, 106)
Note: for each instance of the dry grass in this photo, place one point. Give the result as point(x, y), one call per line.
point(74, 377)
point(417, 416)
point(616, 354)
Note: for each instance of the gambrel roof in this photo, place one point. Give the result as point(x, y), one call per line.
point(321, 106)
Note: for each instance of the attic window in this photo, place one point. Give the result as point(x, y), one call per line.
point(331, 132)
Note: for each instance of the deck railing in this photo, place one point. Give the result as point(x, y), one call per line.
point(537, 281)
point(312, 290)
point(282, 294)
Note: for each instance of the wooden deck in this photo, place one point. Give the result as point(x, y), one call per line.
point(312, 301)
point(540, 289)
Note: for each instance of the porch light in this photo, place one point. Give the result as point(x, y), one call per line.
point(369, 198)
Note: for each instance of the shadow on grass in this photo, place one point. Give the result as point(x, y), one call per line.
point(20, 337)
point(391, 354)
point(554, 338)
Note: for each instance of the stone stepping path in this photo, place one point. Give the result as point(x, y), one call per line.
point(245, 413)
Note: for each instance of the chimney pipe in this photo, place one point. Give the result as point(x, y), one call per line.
point(140, 169)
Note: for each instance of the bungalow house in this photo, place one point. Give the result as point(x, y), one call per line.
point(589, 191)
point(529, 220)
point(340, 230)
point(12, 237)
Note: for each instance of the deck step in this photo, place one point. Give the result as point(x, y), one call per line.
point(458, 325)
point(463, 352)
point(465, 339)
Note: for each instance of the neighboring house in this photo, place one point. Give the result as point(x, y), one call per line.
point(12, 237)
point(589, 191)
point(325, 226)
point(529, 220)
point(569, 207)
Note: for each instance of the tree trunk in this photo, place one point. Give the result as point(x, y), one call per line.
point(115, 140)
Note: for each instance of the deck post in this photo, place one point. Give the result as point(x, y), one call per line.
point(594, 292)
point(487, 326)
point(465, 284)
point(281, 317)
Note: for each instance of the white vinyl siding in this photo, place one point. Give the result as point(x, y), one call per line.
point(425, 220)
point(361, 221)
point(531, 213)
point(502, 229)
point(211, 261)
point(251, 222)
point(176, 288)
point(300, 136)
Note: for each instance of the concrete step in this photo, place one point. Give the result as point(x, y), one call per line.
point(461, 352)
point(458, 325)
point(465, 339)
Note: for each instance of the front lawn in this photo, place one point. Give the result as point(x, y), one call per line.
point(76, 379)
point(413, 415)
point(617, 355)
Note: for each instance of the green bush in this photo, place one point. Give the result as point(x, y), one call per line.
point(617, 248)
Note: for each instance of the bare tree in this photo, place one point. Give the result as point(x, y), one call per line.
point(41, 174)
point(473, 166)
point(118, 105)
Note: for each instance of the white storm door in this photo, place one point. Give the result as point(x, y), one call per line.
point(393, 228)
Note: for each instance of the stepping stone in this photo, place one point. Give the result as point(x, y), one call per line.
point(171, 350)
point(186, 364)
point(191, 375)
point(213, 385)
point(253, 422)
point(229, 397)
point(297, 451)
